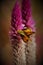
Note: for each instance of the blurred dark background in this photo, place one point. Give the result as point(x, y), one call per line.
point(5, 19)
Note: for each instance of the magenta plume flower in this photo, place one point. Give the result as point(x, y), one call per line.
point(16, 21)
point(27, 14)
point(26, 9)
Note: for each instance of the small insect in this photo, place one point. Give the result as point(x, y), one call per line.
point(25, 34)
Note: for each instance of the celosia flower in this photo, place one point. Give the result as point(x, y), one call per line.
point(16, 21)
point(27, 14)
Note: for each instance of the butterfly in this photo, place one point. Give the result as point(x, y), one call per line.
point(25, 34)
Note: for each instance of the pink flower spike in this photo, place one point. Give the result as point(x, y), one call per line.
point(16, 21)
point(16, 16)
point(26, 9)
point(27, 14)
